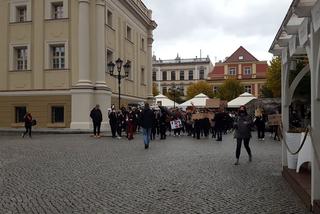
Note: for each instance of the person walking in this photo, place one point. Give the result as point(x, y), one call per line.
point(96, 117)
point(113, 122)
point(27, 124)
point(243, 126)
point(260, 124)
point(219, 124)
point(147, 120)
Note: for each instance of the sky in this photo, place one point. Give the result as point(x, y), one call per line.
point(216, 27)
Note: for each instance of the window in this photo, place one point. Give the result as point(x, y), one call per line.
point(181, 75)
point(191, 75)
point(201, 74)
point(57, 10)
point(232, 71)
point(57, 56)
point(247, 71)
point(154, 76)
point(109, 56)
point(247, 88)
point(215, 89)
point(20, 112)
point(164, 75)
point(142, 44)
point(240, 57)
point(129, 32)
point(21, 58)
point(173, 75)
point(109, 18)
point(130, 70)
point(57, 114)
point(21, 14)
point(142, 76)
point(164, 90)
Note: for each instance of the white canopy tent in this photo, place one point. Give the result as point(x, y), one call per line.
point(243, 99)
point(197, 101)
point(162, 100)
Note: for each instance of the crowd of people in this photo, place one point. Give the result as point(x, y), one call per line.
point(160, 122)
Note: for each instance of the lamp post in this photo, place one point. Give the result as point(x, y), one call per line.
point(174, 89)
point(119, 76)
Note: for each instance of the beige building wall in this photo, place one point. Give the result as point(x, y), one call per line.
point(85, 55)
point(185, 65)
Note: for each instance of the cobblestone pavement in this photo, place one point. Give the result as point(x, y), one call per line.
point(80, 174)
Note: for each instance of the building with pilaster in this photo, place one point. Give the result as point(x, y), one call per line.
point(179, 72)
point(53, 57)
point(243, 66)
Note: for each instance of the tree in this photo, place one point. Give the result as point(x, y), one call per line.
point(155, 90)
point(274, 77)
point(266, 92)
point(175, 96)
point(199, 87)
point(230, 89)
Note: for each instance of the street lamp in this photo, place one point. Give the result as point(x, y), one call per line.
point(173, 90)
point(119, 76)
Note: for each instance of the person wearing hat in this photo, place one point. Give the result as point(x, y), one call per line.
point(242, 127)
point(96, 117)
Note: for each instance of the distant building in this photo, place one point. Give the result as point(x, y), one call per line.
point(181, 72)
point(242, 66)
point(53, 57)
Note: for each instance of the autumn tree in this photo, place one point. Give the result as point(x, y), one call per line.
point(274, 78)
point(155, 90)
point(175, 95)
point(230, 89)
point(200, 87)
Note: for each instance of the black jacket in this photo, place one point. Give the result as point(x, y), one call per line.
point(243, 126)
point(96, 115)
point(147, 118)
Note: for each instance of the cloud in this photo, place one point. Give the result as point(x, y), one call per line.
point(217, 26)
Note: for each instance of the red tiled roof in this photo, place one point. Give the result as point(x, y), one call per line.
point(217, 72)
point(241, 51)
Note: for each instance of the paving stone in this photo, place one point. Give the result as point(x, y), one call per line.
point(74, 173)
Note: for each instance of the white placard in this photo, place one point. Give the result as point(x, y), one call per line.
point(176, 124)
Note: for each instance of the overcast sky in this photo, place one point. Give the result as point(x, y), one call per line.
point(217, 27)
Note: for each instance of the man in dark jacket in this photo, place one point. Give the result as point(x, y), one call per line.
point(96, 117)
point(243, 126)
point(115, 122)
point(147, 120)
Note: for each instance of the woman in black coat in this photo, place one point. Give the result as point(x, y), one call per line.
point(242, 127)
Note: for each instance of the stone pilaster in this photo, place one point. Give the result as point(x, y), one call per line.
point(102, 92)
point(84, 43)
point(82, 93)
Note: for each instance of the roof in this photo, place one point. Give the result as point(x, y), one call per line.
point(241, 52)
point(198, 101)
point(165, 101)
point(243, 99)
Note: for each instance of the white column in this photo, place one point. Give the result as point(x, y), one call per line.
point(100, 44)
point(102, 92)
point(84, 43)
point(82, 94)
point(149, 66)
point(314, 55)
point(285, 108)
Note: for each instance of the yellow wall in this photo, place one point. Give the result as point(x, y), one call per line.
point(38, 106)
